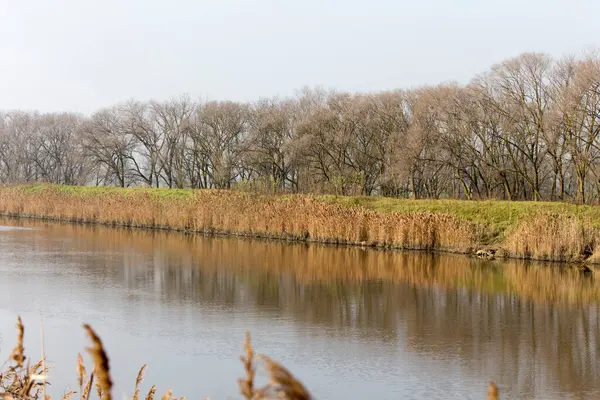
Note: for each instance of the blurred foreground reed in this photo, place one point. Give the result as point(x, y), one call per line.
point(21, 381)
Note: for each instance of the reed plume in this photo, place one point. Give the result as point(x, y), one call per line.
point(283, 383)
point(18, 354)
point(167, 396)
point(81, 373)
point(88, 387)
point(151, 393)
point(101, 364)
point(68, 395)
point(247, 384)
point(99, 390)
point(493, 391)
point(138, 380)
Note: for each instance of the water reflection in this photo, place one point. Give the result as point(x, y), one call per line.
point(532, 327)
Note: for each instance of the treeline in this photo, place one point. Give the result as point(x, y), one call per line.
point(526, 129)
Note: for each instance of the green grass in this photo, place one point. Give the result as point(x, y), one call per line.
point(110, 190)
point(498, 217)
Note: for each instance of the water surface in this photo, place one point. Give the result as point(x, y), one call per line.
point(349, 322)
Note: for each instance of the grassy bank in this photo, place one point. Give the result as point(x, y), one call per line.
point(544, 231)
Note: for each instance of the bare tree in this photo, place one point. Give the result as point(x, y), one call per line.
point(528, 128)
point(172, 121)
point(110, 145)
point(218, 133)
point(271, 133)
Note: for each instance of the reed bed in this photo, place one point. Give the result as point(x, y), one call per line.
point(21, 382)
point(552, 236)
point(521, 231)
point(298, 217)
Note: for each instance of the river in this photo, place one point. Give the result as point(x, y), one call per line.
point(350, 323)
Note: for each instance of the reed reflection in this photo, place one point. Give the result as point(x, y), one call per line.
point(533, 326)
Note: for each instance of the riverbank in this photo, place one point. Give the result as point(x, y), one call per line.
point(321, 265)
point(527, 230)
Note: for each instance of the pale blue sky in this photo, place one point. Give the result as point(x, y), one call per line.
point(81, 55)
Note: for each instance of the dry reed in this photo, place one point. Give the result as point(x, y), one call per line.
point(557, 236)
point(85, 395)
point(67, 396)
point(167, 396)
point(544, 236)
point(298, 217)
point(151, 393)
point(99, 390)
point(18, 353)
point(138, 380)
point(44, 360)
point(81, 374)
point(283, 385)
point(101, 364)
point(19, 381)
point(552, 237)
point(247, 384)
point(493, 392)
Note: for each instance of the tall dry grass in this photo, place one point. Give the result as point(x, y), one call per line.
point(297, 217)
point(26, 383)
point(558, 236)
point(553, 237)
point(19, 380)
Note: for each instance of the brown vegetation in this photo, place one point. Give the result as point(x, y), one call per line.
point(227, 212)
point(555, 236)
point(19, 383)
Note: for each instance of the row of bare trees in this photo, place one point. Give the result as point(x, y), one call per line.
point(529, 128)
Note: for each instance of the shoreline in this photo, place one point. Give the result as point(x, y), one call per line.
point(537, 234)
point(275, 239)
point(231, 235)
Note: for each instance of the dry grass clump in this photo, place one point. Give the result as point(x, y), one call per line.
point(296, 217)
point(556, 237)
point(20, 383)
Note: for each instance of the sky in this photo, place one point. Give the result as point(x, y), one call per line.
point(82, 55)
